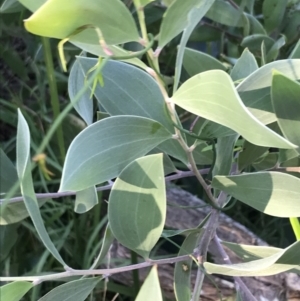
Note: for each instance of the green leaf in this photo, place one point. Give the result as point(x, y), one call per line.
point(8, 237)
point(107, 242)
point(224, 13)
point(274, 51)
point(102, 150)
point(33, 5)
point(61, 18)
point(264, 191)
point(195, 62)
point(74, 290)
point(212, 95)
point(254, 42)
point(273, 12)
point(194, 17)
point(250, 154)
point(255, 25)
point(26, 183)
point(150, 289)
point(76, 81)
point(8, 173)
point(244, 66)
point(10, 6)
point(295, 54)
point(267, 162)
point(137, 204)
point(182, 272)
point(255, 89)
point(15, 291)
point(286, 103)
point(86, 199)
point(281, 261)
point(176, 19)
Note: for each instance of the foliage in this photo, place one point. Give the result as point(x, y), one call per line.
point(146, 111)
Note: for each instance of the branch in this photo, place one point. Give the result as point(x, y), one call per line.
point(71, 272)
point(55, 195)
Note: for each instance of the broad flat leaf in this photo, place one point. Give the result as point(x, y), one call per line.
point(224, 155)
point(15, 212)
point(128, 90)
point(32, 5)
point(195, 62)
point(255, 25)
point(212, 95)
point(8, 173)
point(182, 272)
point(194, 17)
point(203, 154)
point(150, 289)
point(286, 103)
point(250, 154)
point(281, 261)
point(76, 81)
point(274, 51)
point(8, 237)
point(117, 51)
point(15, 291)
point(26, 184)
point(273, 193)
point(107, 242)
point(61, 18)
point(254, 42)
point(74, 290)
point(86, 199)
point(267, 162)
point(255, 89)
point(287, 154)
point(175, 20)
point(273, 12)
point(137, 204)
point(224, 13)
point(101, 151)
point(244, 66)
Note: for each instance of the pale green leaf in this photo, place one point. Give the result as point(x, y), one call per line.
point(273, 12)
point(175, 20)
point(26, 183)
point(273, 193)
point(86, 199)
point(286, 103)
point(102, 150)
point(137, 204)
point(182, 271)
point(212, 95)
point(61, 18)
point(244, 66)
point(74, 290)
point(224, 13)
point(194, 17)
point(150, 289)
point(195, 62)
point(14, 291)
point(33, 5)
point(76, 81)
point(281, 261)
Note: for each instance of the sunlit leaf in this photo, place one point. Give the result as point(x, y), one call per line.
point(15, 291)
point(281, 261)
point(74, 290)
point(273, 193)
point(212, 95)
point(137, 204)
point(26, 183)
point(150, 289)
point(286, 103)
point(61, 18)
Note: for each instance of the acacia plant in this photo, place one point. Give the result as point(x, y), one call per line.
point(242, 120)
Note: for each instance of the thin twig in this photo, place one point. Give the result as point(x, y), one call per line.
point(55, 195)
point(71, 272)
